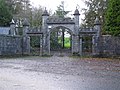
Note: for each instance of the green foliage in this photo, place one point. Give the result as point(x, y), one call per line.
point(56, 41)
point(95, 8)
point(19, 9)
point(112, 24)
point(67, 42)
point(5, 14)
point(87, 44)
point(60, 12)
point(35, 41)
point(11, 5)
point(36, 17)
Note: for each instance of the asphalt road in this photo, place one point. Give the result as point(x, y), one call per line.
point(59, 73)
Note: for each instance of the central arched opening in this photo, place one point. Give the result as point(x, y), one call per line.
point(60, 41)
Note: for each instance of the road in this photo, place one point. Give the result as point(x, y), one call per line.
point(59, 73)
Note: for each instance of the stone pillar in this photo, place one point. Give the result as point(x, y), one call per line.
point(17, 26)
point(97, 26)
point(45, 29)
point(26, 45)
point(75, 44)
point(26, 38)
point(16, 29)
point(25, 26)
point(48, 39)
point(76, 17)
point(97, 37)
point(75, 37)
point(80, 46)
point(93, 45)
point(46, 44)
point(45, 16)
point(41, 44)
point(12, 28)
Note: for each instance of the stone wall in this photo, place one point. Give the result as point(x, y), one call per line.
point(110, 45)
point(10, 45)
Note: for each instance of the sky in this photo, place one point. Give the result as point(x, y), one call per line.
point(70, 5)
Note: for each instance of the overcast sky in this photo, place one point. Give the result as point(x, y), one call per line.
point(52, 4)
point(70, 5)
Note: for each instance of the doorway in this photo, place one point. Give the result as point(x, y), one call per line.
point(60, 41)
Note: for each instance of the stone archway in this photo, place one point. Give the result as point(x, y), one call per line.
point(51, 22)
point(61, 40)
point(67, 22)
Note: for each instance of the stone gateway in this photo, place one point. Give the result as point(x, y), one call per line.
point(84, 41)
point(73, 26)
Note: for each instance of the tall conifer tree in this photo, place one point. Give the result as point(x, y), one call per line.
point(112, 24)
point(5, 14)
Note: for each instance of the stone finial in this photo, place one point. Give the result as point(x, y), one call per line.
point(76, 12)
point(12, 22)
point(45, 13)
point(25, 22)
point(97, 21)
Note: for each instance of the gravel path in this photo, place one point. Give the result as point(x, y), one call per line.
point(59, 73)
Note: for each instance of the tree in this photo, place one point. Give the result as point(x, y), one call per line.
point(95, 8)
point(22, 8)
point(10, 4)
point(112, 24)
point(60, 12)
point(36, 16)
point(15, 6)
point(5, 14)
